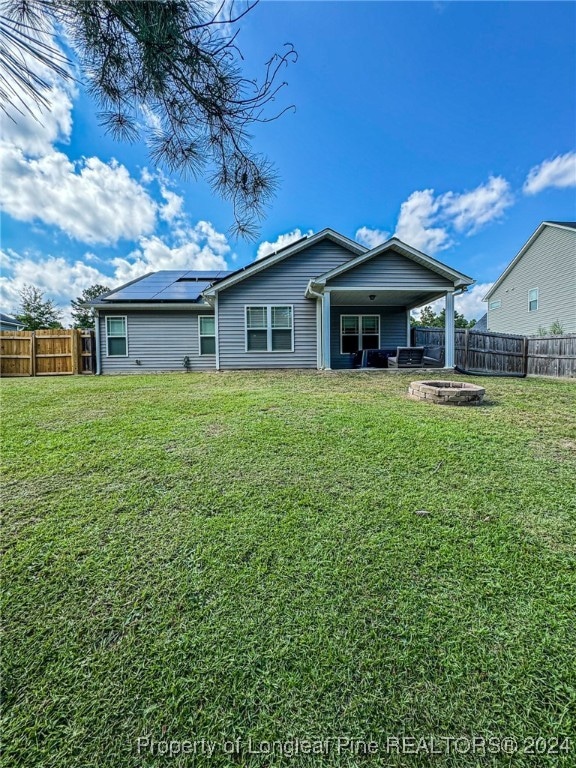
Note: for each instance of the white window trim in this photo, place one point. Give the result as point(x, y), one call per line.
point(115, 335)
point(497, 302)
point(537, 299)
point(360, 334)
point(206, 336)
point(269, 350)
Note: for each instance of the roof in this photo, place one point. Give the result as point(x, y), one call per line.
point(8, 319)
point(522, 251)
point(482, 323)
point(283, 253)
point(458, 278)
point(570, 224)
point(167, 285)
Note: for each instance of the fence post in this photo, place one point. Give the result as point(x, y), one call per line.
point(466, 341)
point(525, 356)
point(74, 349)
point(32, 353)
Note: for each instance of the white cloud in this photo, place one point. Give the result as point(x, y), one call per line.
point(416, 223)
point(469, 304)
point(267, 247)
point(204, 248)
point(371, 237)
point(91, 201)
point(35, 135)
point(59, 279)
point(557, 172)
point(172, 209)
point(27, 124)
point(470, 211)
point(428, 222)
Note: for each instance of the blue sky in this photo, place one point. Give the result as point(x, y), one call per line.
point(451, 125)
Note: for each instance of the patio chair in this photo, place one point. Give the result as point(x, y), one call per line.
point(407, 357)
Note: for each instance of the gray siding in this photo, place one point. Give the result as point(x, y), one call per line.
point(282, 283)
point(390, 269)
point(549, 264)
point(393, 330)
point(159, 339)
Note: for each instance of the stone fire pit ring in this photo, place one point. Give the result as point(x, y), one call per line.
point(446, 392)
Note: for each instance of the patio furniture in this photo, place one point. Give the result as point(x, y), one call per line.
point(407, 357)
point(371, 358)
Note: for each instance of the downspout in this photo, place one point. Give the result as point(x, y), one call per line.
point(97, 342)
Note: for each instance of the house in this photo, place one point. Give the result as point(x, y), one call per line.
point(9, 323)
point(482, 323)
point(311, 304)
point(538, 287)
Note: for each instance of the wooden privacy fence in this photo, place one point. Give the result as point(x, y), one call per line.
point(53, 352)
point(504, 353)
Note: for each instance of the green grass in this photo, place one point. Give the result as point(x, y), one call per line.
point(237, 555)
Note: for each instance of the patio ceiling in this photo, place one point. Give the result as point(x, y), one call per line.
point(382, 298)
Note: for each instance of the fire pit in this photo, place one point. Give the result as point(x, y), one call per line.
point(446, 392)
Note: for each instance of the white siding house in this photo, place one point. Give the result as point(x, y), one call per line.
point(538, 288)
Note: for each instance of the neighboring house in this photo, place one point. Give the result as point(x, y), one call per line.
point(309, 305)
point(538, 287)
point(482, 323)
point(9, 323)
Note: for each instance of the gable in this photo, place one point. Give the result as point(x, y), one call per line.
point(389, 269)
point(549, 238)
point(343, 246)
point(289, 278)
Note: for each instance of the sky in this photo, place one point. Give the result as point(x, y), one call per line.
point(451, 125)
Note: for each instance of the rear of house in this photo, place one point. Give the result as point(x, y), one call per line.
point(537, 291)
point(312, 304)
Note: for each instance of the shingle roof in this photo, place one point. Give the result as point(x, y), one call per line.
point(482, 323)
point(8, 319)
point(571, 224)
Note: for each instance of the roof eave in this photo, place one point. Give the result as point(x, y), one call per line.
point(156, 306)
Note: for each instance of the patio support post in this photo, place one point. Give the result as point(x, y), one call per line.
point(449, 357)
point(97, 342)
point(326, 330)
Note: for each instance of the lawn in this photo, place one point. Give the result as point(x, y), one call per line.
point(237, 556)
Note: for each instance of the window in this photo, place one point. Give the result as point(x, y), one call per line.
point(207, 334)
point(359, 332)
point(496, 304)
point(269, 328)
point(533, 300)
point(116, 337)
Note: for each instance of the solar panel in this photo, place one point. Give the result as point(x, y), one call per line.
point(168, 285)
point(182, 291)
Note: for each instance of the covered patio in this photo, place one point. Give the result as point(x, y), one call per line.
point(366, 303)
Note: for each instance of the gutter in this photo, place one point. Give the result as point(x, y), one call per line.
point(311, 292)
point(152, 306)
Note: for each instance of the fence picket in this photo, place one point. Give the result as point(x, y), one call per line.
point(506, 353)
point(55, 352)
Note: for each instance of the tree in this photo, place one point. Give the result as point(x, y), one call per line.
point(35, 312)
point(429, 319)
point(169, 71)
point(83, 317)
